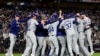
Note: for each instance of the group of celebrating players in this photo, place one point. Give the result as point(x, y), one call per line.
point(62, 32)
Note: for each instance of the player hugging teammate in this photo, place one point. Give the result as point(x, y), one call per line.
point(55, 31)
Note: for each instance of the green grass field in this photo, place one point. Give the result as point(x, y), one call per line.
point(18, 54)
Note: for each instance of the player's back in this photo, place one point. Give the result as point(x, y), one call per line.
point(87, 21)
point(31, 25)
point(81, 25)
point(69, 26)
point(52, 28)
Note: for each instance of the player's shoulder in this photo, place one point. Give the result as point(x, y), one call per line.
point(87, 18)
point(32, 20)
point(69, 19)
point(79, 19)
point(29, 20)
point(13, 21)
point(56, 22)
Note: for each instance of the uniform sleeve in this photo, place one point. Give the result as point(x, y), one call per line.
point(57, 22)
point(36, 22)
point(88, 22)
point(46, 26)
point(25, 19)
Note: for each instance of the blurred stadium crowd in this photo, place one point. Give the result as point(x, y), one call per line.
point(6, 15)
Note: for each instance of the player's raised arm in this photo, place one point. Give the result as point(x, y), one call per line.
point(60, 15)
point(25, 19)
point(44, 19)
point(36, 22)
point(46, 24)
point(60, 19)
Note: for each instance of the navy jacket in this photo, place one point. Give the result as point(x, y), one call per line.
point(60, 32)
point(40, 31)
point(15, 26)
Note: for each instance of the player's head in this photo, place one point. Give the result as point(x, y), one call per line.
point(83, 14)
point(71, 15)
point(33, 15)
point(65, 16)
point(38, 12)
point(44, 17)
point(78, 14)
point(17, 17)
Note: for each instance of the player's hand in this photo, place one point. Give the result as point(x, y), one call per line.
point(43, 22)
point(60, 11)
point(87, 26)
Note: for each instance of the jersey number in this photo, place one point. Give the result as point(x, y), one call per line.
point(68, 25)
point(50, 29)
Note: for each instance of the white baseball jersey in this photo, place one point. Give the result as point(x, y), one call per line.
point(76, 27)
point(32, 24)
point(52, 28)
point(87, 21)
point(68, 25)
point(81, 25)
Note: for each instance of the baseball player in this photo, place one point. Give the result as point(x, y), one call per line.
point(41, 34)
point(76, 50)
point(26, 38)
point(88, 31)
point(61, 35)
point(30, 35)
point(52, 31)
point(14, 30)
point(81, 34)
point(68, 25)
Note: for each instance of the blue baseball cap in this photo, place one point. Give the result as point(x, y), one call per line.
point(38, 11)
point(33, 14)
point(71, 15)
point(82, 13)
point(65, 16)
point(17, 15)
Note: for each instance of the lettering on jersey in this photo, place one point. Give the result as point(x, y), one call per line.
point(50, 29)
point(68, 24)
